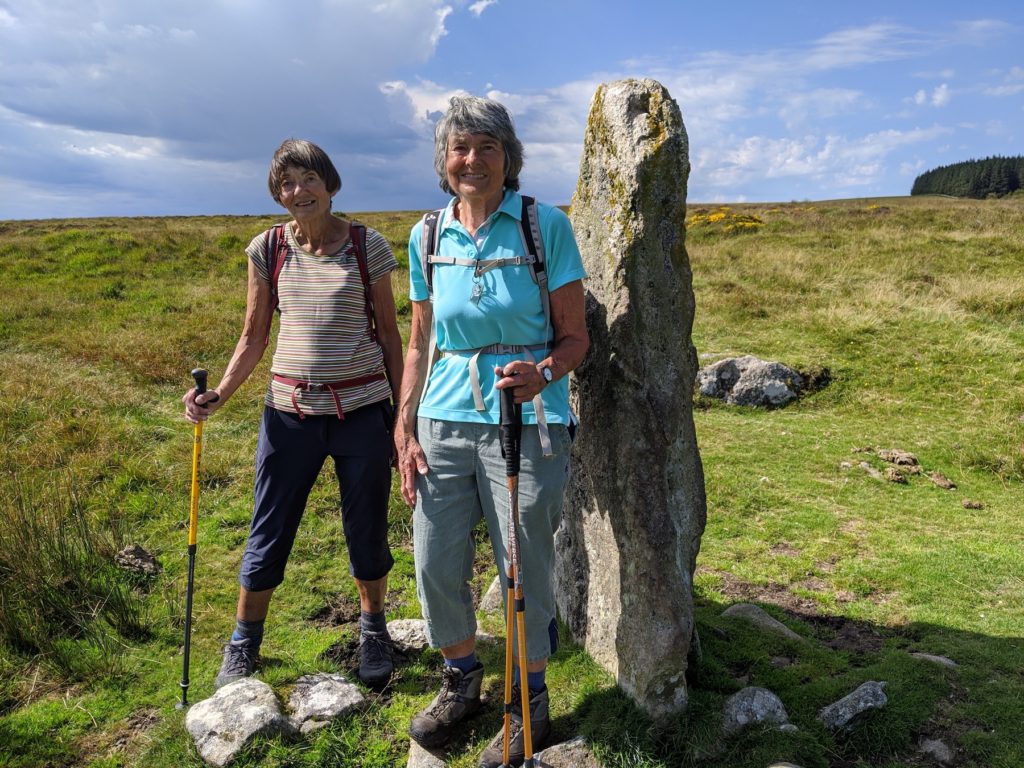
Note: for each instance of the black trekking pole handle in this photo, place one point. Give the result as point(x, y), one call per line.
point(511, 431)
point(199, 374)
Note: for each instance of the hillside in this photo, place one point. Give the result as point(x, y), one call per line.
point(914, 305)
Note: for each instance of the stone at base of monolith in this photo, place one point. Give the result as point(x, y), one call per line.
point(225, 723)
point(635, 507)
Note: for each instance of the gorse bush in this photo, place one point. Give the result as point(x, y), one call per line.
point(722, 221)
point(63, 601)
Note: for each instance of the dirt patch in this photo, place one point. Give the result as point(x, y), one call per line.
point(784, 550)
point(342, 608)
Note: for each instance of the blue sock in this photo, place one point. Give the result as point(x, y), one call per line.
point(535, 681)
point(464, 664)
point(248, 630)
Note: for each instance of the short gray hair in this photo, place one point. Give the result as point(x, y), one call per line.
point(471, 114)
point(300, 153)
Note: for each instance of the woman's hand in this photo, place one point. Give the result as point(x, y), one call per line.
point(523, 377)
point(411, 462)
point(200, 408)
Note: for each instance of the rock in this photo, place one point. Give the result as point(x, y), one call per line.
point(493, 601)
point(569, 754)
point(789, 728)
point(942, 660)
point(893, 475)
point(748, 380)
point(225, 723)
point(752, 706)
point(942, 481)
point(419, 757)
point(838, 715)
point(319, 699)
point(871, 470)
point(135, 558)
point(968, 504)
point(635, 506)
point(759, 618)
point(845, 465)
point(781, 662)
point(898, 456)
point(936, 750)
point(783, 765)
point(409, 635)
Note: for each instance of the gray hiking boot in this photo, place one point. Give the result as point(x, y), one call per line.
point(540, 731)
point(239, 661)
point(459, 698)
point(376, 658)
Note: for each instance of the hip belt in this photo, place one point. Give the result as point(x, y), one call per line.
point(327, 386)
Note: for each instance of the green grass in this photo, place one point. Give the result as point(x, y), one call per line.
point(914, 305)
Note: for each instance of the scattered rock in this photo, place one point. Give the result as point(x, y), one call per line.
point(783, 765)
point(846, 465)
point(838, 715)
point(781, 662)
point(893, 475)
point(225, 723)
point(493, 600)
point(898, 456)
point(752, 706)
point(936, 750)
point(135, 558)
point(319, 699)
point(409, 635)
point(941, 480)
point(871, 470)
point(946, 662)
point(788, 728)
point(419, 757)
point(759, 618)
point(968, 504)
point(569, 754)
point(748, 380)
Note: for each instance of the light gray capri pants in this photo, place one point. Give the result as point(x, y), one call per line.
point(467, 481)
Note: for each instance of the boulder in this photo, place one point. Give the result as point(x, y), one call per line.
point(840, 714)
point(409, 635)
point(748, 380)
point(225, 723)
point(319, 699)
point(493, 600)
point(421, 757)
point(635, 506)
point(569, 754)
point(752, 706)
point(135, 558)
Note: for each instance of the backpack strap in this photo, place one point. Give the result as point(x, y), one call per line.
point(357, 232)
point(429, 236)
point(277, 252)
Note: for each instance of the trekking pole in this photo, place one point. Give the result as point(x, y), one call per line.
point(193, 522)
point(511, 434)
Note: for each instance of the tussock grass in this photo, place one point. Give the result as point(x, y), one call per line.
point(913, 305)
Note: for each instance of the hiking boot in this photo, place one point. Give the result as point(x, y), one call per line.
point(459, 698)
point(376, 658)
point(239, 661)
point(540, 731)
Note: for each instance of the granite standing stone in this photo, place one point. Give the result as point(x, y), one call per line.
point(635, 508)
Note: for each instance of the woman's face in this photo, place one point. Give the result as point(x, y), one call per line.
point(475, 164)
point(304, 193)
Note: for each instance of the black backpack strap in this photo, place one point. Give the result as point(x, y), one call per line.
point(357, 232)
point(428, 245)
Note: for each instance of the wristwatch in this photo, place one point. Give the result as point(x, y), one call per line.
point(547, 374)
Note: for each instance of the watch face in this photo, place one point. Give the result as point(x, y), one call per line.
point(548, 376)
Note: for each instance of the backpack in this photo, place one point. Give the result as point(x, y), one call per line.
point(277, 252)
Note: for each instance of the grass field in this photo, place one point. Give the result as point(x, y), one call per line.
point(915, 306)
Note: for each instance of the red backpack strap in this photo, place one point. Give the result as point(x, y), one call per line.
point(357, 232)
point(277, 251)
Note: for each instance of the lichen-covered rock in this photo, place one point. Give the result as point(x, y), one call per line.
point(941, 660)
point(225, 723)
point(569, 754)
point(408, 635)
point(840, 714)
point(135, 558)
point(748, 380)
point(752, 706)
point(319, 699)
point(492, 600)
point(420, 757)
point(635, 508)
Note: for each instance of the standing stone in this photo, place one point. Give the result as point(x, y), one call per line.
point(635, 508)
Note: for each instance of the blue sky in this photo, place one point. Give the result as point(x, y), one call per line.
point(152, 108)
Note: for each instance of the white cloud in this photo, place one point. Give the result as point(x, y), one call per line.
point(941, 96)
point(480, 6)
point(921, 97)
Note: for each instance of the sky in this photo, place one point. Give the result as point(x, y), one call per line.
point(118, 108)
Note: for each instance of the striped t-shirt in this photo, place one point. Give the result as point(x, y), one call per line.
point(324, 334)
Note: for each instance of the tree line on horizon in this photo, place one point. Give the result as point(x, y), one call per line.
point(992, 177)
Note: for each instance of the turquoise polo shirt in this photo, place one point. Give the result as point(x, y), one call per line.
point(507, 311)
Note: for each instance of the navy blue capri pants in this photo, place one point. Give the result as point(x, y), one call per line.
point(289, 456)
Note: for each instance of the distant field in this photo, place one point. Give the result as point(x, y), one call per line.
point(915, 306)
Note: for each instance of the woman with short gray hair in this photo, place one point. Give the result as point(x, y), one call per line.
point(496, 281)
